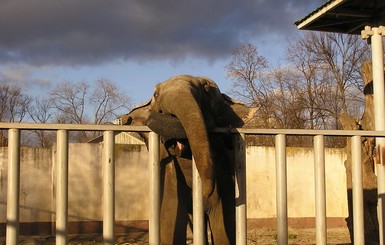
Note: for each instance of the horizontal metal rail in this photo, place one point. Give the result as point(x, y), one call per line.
point(154, 237)
point(247, 131)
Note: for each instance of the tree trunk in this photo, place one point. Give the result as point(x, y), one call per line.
point(369, 177)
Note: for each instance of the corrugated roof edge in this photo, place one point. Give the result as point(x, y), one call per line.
point(298, 22)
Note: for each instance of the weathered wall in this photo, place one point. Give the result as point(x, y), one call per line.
point(35, 184)
point(38, 184)
point(38, 178)
point(261, 192)
point(85, 182)
point(132, 183)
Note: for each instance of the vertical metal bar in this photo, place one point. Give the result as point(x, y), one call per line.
point(12, 233)
point(240, 190)
point(281, 181)
point(358, 200)
point(379, 111)
point(109, 187)
point(62, 187)
point(154, 189)
point(198, 214)
point(320, 190)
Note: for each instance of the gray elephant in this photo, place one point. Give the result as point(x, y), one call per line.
point(182, 111)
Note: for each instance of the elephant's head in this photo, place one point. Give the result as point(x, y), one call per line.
point(186, 107)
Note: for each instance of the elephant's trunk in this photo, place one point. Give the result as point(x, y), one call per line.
point(188, 111)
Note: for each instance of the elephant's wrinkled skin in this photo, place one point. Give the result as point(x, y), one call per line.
point(182, 111)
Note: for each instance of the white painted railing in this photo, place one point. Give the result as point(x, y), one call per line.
point(12, 227)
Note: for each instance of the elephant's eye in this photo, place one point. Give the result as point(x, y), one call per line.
point(129, 121)
point(156, 95)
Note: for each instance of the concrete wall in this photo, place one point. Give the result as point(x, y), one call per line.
point(35, 184)
point(261, 185)
point(38, 184)
point(38, 178)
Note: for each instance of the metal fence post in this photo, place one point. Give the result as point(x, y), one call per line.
point(109, 187)
point(62, 187)
point(240, 190)
point(198, 214)
point(358, 200)
point(320, 190)
point(280, 159)
point(13, 192)
point(379, 111)
point(154, 189)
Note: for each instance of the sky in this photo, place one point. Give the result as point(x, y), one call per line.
point(138, 43)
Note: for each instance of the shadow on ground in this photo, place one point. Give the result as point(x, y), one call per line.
point(335, 236)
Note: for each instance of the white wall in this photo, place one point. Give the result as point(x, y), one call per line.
point(37, 198)
point(261, 183)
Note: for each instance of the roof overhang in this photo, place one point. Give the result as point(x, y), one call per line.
point(344, 16)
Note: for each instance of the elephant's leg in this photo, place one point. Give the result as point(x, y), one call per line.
point(174, 211)
point(191, 228)
point(222, 217)
point(222, 226)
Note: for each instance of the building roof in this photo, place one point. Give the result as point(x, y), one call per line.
point(344, 16)
point(131, 138)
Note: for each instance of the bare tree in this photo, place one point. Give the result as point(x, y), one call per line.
point(107, 101)
point(328, 66)
point(246, 70)
point(305, 79)
point(279, 104)
point(13, 103)
point(80, 103)
point(341, 57)
point(41, 112)
point(70, 100)
point(320, 81)
point(288, 108)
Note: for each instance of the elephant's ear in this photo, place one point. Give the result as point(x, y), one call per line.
point(238, 114)
point(147, 103)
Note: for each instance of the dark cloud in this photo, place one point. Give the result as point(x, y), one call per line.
point(73, 32)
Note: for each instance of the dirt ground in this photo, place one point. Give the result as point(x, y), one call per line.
point(257, 236)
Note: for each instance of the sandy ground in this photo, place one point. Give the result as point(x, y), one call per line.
point(257, 236)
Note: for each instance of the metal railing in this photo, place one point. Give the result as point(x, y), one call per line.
point(12, 227)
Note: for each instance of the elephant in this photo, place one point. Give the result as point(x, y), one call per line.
point(183, 111)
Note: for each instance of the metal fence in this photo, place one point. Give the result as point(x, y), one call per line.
point(14, 129)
